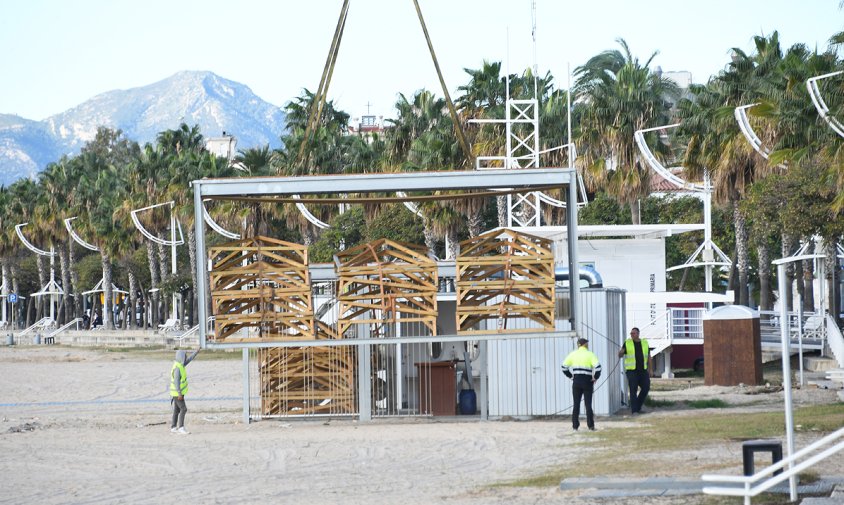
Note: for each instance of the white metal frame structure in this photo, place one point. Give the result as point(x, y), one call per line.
point(173, 242)
point(820, 104)
point(708, 249)
point(522, 151)
point(52, 288)
point(527, 179)
point(747, 130)
point(371, 183)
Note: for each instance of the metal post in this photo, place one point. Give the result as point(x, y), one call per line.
point(201, 296)
point(173, 257)
point(800, 335)
point(484, 359)
point(245, 385)
point(786, 376)
point(364, 382)
point(574, 267)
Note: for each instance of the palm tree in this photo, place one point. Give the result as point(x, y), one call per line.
point(622, 96)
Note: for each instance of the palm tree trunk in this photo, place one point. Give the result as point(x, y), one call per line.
point(15, 289)
point(74, 279)
point(65, 274)
point(453, 244)
point(430, 238)
point(742, 256)
point(133, 300)
point(164, 262)
point(191, 302)
point(155, 281)
point(830, 267)
point(473, 223)
point(6, 280)
point(635, 212)
point(42, 281)
point(785, 250)
point(501, 201)
point(808, 285)
point(798, 281)
point(764, 275)
point(108, 320)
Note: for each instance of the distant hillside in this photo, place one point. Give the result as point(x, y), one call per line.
point(202, 98)
point(26, 147)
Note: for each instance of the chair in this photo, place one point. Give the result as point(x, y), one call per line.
point(169, 325)
point(813, 327)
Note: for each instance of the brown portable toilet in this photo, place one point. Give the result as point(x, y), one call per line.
point(732, 346)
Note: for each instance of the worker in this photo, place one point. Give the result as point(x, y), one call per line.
point(637, 367)
point(178, 390)
point(583, 368)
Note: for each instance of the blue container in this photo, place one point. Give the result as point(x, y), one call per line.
point(468, 402)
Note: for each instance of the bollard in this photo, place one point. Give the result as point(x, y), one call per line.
point(10, 339)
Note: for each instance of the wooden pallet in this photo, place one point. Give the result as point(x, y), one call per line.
point(261, 283)
point(383, 282)
point(506, 277)
point(264, 283)
point(308, 380)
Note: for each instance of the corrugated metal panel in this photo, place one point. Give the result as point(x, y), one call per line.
point(525, 377)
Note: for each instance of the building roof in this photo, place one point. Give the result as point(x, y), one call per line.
point(614, 230)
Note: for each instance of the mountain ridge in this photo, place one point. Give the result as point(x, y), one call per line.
point(214, 103)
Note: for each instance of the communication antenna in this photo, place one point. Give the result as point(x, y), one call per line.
point(533, 36)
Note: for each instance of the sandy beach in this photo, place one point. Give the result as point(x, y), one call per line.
point(90, 426)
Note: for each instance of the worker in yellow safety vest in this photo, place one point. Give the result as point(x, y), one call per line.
point(178, 390)
point(583, 368)
point(637, 367)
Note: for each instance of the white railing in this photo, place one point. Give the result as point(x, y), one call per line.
point(748, 489)
point(66, 326)
point(686, 322)
point(41, 324)
point(193, 331)
point(835, 340)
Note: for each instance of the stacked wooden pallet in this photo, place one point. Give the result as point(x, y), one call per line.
point(505, 283)
point(261, 292)
point(384, 281)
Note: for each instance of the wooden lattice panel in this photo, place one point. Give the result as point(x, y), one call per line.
point(308, 380)
point(385, 281)
point(261, 283)
point(505, 277)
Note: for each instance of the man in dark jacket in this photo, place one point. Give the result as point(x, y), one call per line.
point(583, 368)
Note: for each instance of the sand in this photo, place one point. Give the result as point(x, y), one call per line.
point(89, 426)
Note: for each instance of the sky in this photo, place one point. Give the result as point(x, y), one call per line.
point(57, 54)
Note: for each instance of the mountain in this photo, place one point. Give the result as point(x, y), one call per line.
point(26, 147)
point(204, 98)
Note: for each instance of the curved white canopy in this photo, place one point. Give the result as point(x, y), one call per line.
point(747, 130)
point(77, 238)
point(28, 244)
point(820, 104)
point(310, 217)
point(658, 167)
point(147, 234)
point(216, 227)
